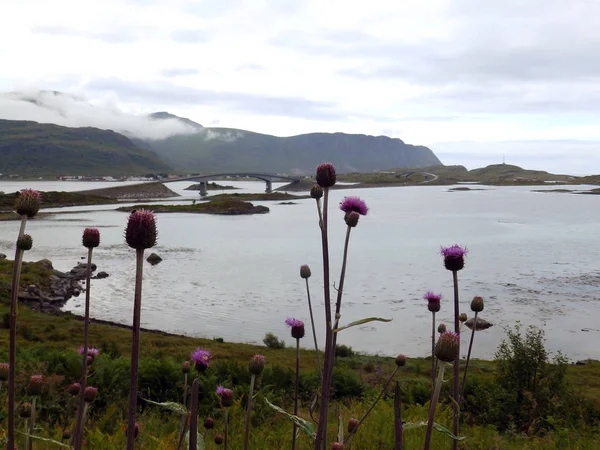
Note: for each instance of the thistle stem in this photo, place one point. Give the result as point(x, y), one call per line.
point(432, 349)
point(464, 380)
point(194, 415)
point(374, 404)
point(398, 426)
point(297, 382)
point(26, 433)
point(14, 295)
point(321, 437)
point(183, 426)
point(340, 291)
point(135, 348)
point(312, 322)
point(456, 367)
point(31, 423)
point(248, 411)
point(433, 404)
point(78, 434)
point(226, 428)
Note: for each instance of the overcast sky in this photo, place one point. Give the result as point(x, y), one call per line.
point(471, 79)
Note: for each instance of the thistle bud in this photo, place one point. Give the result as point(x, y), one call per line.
point(256, 364)
point(218, 438)
point(433, 301)
point(4, 369)
point(185, 367)
point(89, 360)
point(74, 389)
point(66, 434)
point(297, 328)
point(477, 304)
point(305, 271)
point(25, 410)
point(352, 425)
point(351, 218)
point(448, 346)
point(316, 192)
point(226, 396)
point(91, 238)
point(400, 360)
point(25, 242)
point(325, 175)
point(442, 328)
point(28, 203)
point(136, 430)
point(141, 233)
point(90, 394)
point(463, 317)
point(35, 385)
point(209, 423)
point(454, 257)
point(337, 446)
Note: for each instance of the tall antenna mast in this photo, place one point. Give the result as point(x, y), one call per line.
point(503, 159)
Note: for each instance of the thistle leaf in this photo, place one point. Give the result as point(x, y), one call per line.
point(51, 441)
point(437, 426)
point(199, 443)
point(307, 427)
point(362, 321)
point(171, 406)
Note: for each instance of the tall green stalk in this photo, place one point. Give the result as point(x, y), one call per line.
point(456, 366)
point(248, 412)
point(433, 404)
point(296, 384)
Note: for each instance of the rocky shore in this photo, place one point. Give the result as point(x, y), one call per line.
point(61, 287)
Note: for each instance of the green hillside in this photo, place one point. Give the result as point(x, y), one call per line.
point(34, 149)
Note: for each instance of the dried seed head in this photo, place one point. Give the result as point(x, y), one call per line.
point(4, 370)
point(448, 346)
point(141, 232)
point(477, 304)
point(35, 385)
point(91, 238)
point(90, 394)
point(316, 192)
point(400, 360)
point(326, 175)
point(352, 425)
point(305, 271)
point(28, 203)
point(256, 364)
point(25, 242)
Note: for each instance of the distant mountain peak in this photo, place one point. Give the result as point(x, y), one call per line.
point(162, 115)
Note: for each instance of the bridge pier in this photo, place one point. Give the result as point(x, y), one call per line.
point(203, 188)
point(269, 186)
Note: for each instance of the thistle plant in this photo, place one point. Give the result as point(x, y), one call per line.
point(226, 396)
point(305, 275)
point(27, 206)
point(297, 327)
point(25, 411)
point(447, 350)
point(34, 389)
point(90, 240)
point(140, 234)
point(477, 305)
point(255, 367)
point(454, 261)
point(433, 305)
point(201, 359)
point(185, 369)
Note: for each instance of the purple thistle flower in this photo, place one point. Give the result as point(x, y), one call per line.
point(433, 301)
point(91, 237)
point(92, 351)
point(454, 257)
point(325, 175)
point(28, 203)
point(201, 358)
point(140, 232)
point(354, 204)
point(297, 327)
point(226, 396)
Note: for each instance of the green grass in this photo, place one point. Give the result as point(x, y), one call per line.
point(54, 199)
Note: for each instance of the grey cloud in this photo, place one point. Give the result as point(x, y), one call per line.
point(169, 94)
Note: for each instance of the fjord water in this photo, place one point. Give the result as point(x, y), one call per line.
point(532, 256)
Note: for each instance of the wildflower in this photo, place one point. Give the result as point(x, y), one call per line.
point(463, 317)
point(454, 257)
point(25, 242)
point(140, 232)
point(433, 301)
point(25, 410)
point(297, 327)
point(35, 385)
point(185, 367)
point(305, 271)
point(448, 346)
point(209, 423)
point(325, 175)
point(256, 364)
point(202, 359)
point(4, 369)
point(354, 204)
point(90, 394)
point(352, 425)
point(218, 438)
point(74, 389)
point(442, 328)
point(28, 203)
point(400, 360)
point(92, 351)
point(477, 304)
point(226, 396)
point(91, 237)
point(316, 192)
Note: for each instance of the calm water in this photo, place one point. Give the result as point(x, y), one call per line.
point(533, 257)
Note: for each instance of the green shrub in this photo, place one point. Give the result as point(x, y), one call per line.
point(343, 351)
point(272, 341)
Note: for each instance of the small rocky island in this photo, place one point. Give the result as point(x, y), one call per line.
point(223, 207)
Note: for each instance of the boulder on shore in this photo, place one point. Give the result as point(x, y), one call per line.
point(153, 259)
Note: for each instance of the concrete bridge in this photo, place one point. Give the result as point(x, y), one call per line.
point(268, 178)
point(428, 177)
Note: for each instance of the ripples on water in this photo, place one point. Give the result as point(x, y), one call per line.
point(533, 257)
